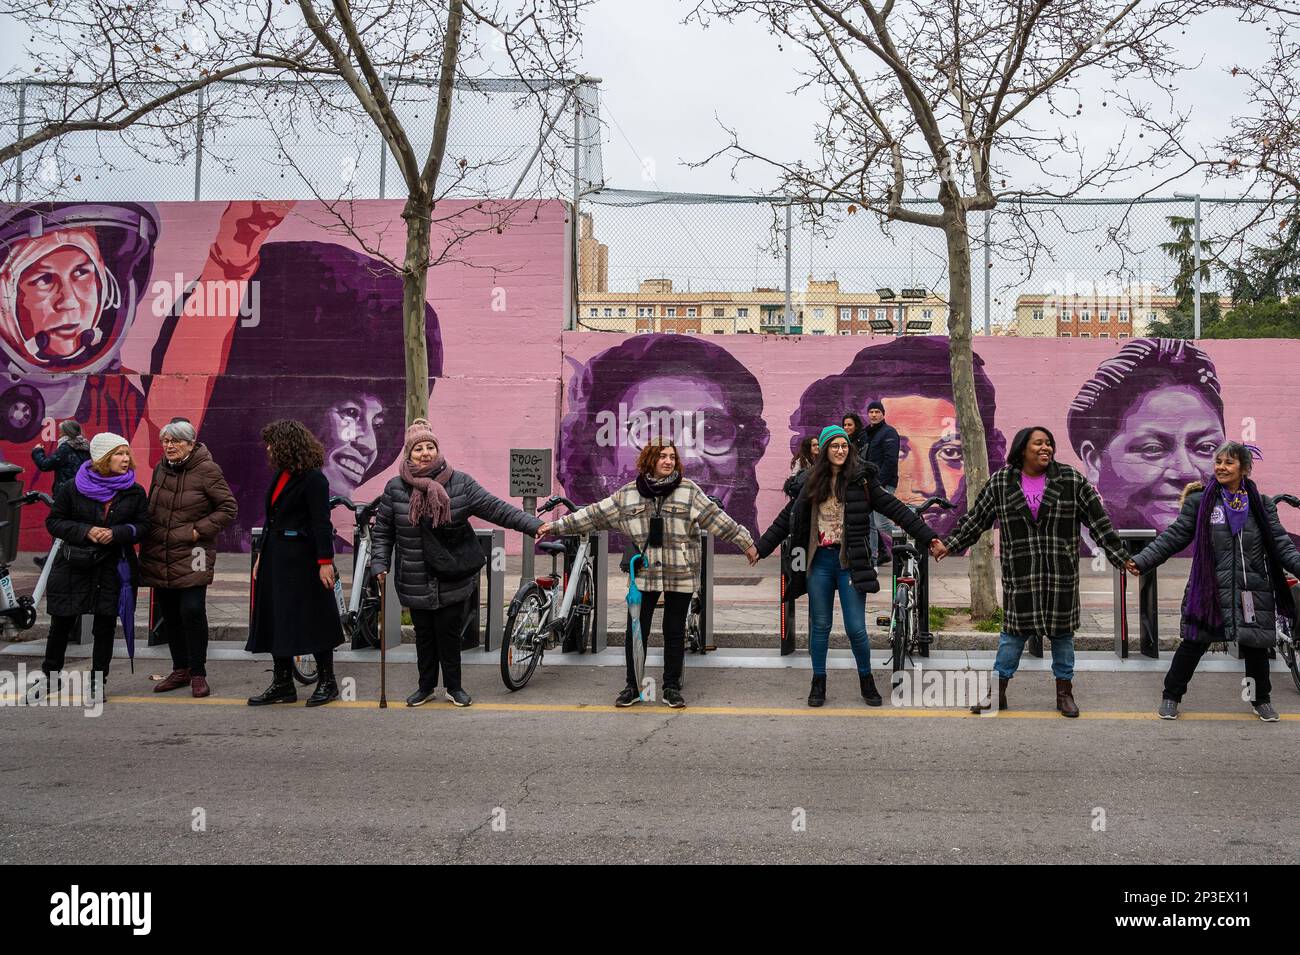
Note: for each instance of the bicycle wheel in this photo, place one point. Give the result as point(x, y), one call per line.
point(901, 634)
point(577, 634)
point(304, 669)
point(365, 631)
point(522, 645)
point(1287, 649)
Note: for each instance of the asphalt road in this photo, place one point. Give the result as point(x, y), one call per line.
point(555, 774)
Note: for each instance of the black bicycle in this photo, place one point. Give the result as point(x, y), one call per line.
point(1286, 635)
point(908, 634)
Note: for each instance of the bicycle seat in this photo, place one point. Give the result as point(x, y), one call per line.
point(551, 547)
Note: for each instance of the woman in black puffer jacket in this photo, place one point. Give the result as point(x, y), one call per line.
point(428, 492)
point(1237, 587)
point(828, 524)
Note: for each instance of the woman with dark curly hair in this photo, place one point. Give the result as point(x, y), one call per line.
point(293, 577)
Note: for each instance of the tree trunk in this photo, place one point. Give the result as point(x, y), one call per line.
point(415, 279)
point(975, 452)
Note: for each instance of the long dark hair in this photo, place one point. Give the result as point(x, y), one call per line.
point(820, 485)
point(805, 458)
point(1016, 456)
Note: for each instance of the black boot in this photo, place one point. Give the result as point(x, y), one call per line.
point(281, 689)
point(869, 692)
point(817, 694)
point(327, 687)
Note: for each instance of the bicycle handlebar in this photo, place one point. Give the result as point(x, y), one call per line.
point(338, 500)
point(31, 497)
point(1287, 499)
point(555, 501)
point(943, 502)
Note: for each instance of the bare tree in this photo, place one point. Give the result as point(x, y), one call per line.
point(971, 100)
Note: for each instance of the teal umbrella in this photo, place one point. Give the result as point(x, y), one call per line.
point(634, 613)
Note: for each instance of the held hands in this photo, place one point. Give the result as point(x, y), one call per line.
point(543, 530)
point(752, 555)
point(100, 535)
point(938, 549)
point(327, 576)
point(1131, 566)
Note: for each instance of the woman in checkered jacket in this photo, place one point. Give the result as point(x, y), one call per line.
point(662, 513)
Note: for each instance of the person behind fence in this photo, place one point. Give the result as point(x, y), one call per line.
point(1237, 587)
point(71, 452)
point(189, 505)
point(1038, 504)
point(99, 515)
point(293, 611)
point(661, 513)
point(422, 531)
point(882, 446)
point(828, 524)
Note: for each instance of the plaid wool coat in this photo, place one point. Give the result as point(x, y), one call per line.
point(686, 511)
point(1040, 559)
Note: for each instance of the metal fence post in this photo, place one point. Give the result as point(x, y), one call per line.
point(1196, 257)
point(789, 300)
point(198, 147)
point(600, 581)
point(22, 130)
point(988, 274)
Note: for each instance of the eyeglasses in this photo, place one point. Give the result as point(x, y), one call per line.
point(172, 441)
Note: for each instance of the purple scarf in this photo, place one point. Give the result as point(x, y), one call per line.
point(99, 488)
point(1202, 615)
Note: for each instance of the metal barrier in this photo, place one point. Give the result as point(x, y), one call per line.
point(787, 606)
point(704, 588)
point(1148, 604)
point(488, 633)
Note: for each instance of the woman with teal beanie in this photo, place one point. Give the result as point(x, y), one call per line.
point(829, 527)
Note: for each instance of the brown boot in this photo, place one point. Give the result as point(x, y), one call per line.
point(1065, 698)
point(173, 681)
point(987, 703)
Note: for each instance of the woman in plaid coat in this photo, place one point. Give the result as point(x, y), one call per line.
point(1038, 504)
point(662, 513)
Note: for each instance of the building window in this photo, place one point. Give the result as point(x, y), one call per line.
point(593, 313)
point(1066, 335)
point(1085, 334)
point(927, 313)
point(622, 313)
point(609, 313)
point(1104, 335)
point(690, 313)
point(819, 331)
point(670, 331)
point(1066, 315)
point(846, 332)
point(1151, 316)
point(1122, 335)
point(1038, 315)
point(1083, 316)
point(717, 313)
point(880, 314)
point(864, 331)
point(1123, 314)
point(742, 313)
point(645, 311)
point(1103, 315)
point(819, 313)
point(846, 315)
point(670, 311)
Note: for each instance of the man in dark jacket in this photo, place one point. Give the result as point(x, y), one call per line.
point(881, 445)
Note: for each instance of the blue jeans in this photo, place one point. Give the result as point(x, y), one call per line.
point(1010, 647)
point(825, 577)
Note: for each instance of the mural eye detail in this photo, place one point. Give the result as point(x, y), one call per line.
point(949, 454)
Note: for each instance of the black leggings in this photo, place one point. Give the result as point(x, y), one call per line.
point(184, 615)
point(437, 641)
point(104, 630)
point(676, 605)
point(1189, 654)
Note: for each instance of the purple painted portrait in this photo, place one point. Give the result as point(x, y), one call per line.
point(325, 347)
point(675, 386)
point(911, 377)
point(1145, 426)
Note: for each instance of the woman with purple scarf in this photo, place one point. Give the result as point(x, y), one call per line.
point(100, 516)
point(1237, 586)
point(429, 499)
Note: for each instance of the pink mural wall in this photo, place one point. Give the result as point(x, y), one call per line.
point(123, 315)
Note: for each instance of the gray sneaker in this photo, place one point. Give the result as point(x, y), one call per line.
point(1266, 712)
point(1168, 709)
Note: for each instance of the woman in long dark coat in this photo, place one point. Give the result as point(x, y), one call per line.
point(294, 612)
point(100, 515)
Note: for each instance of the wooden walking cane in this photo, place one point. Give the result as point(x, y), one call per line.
point(383, 646)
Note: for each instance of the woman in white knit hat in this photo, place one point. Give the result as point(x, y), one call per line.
point(100, 516)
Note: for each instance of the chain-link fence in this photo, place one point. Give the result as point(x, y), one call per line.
point(302, 139)
point(709, 263)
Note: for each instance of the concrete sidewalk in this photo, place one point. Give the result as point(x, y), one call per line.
point(746, 601)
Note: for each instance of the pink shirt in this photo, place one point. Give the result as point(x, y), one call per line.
point(1033, 488)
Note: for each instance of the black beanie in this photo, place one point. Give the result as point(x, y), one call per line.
point(877, 405)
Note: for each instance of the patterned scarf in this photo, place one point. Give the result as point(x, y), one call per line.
point(428, 490)
point(658, 487)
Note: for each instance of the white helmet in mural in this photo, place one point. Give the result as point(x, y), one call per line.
point(71, 275)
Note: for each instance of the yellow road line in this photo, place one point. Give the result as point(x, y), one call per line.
point(824, 712)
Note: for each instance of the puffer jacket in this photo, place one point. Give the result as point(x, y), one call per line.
point(1240, 564)
point(71, 590)
point(416, 587)
point(192, 496)
point(862, 495)
point(65, 460)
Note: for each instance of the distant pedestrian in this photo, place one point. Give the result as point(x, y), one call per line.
point(190, 503)
point(71, 451)
point(881, 448)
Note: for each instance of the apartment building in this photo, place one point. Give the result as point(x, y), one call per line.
point(1128, 314)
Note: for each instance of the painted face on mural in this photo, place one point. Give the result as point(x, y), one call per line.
point(58, 301)
point(930, 459)
point(1165, 441)
point(349, 436)
point(694, 416)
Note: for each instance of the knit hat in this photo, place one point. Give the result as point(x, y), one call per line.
point(829, 432)
point(877, 405)
point(418, 431)
point(105, 443)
